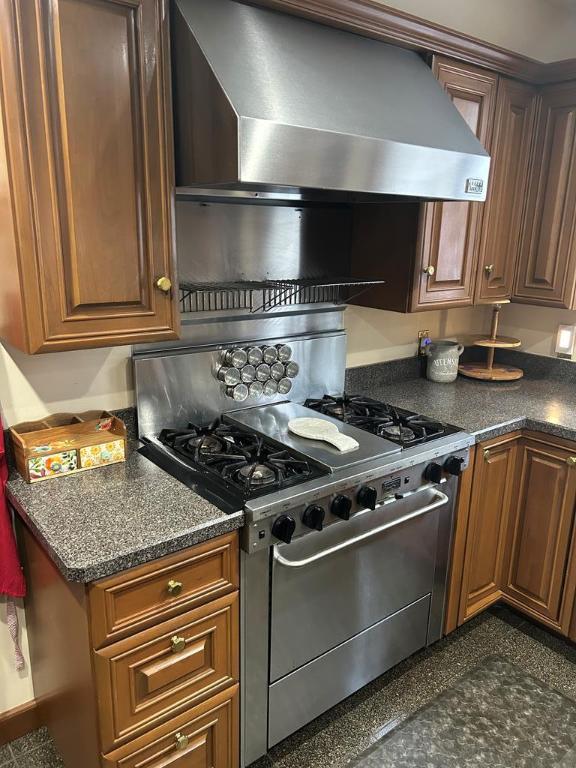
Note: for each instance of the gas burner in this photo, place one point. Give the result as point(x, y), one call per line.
point(239, 458)
point(402, 427)
point(206, 444)
point(257, 475)
point(397, 432)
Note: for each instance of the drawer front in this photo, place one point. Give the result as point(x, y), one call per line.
point(207, 737)
point(141, 597)
point(146, 679)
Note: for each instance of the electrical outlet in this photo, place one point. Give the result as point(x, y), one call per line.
point(423, 341)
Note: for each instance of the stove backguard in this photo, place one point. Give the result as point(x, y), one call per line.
point(177, 385)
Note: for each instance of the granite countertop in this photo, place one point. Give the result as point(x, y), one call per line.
point(484, 409)
point(103, 521)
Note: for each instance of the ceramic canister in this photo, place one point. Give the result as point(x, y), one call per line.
point(443, 358)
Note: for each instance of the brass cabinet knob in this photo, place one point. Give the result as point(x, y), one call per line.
point(164, 284)
point(430, 270)
point(174, 588)
point(178, 643)
point(486, 455)
point(571, 461)
point(182, 740)
point(489, 268)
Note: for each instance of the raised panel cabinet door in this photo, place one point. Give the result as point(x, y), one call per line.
point(503, 220)
point(547, 266)
point(490, 505)
point(95, 102)
point(538, 541)
point(449, 232)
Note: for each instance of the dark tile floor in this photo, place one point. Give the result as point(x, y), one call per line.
point(343, 733)
point(35, 750)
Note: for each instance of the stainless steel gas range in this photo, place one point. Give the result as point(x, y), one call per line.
point(345, 554)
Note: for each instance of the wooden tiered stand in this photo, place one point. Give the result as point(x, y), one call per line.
point(491, 371)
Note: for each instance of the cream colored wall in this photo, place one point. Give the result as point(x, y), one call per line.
point(536, 327)
point(540, 29)
point(33, 385)
point(375, 336)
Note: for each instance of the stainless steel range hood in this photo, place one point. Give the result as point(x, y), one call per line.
point(266, 100)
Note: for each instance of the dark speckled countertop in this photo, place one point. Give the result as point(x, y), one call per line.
point(484, 409)
point(100, 522)
point(103, 521)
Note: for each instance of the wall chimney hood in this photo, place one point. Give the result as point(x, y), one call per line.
point(264, 100)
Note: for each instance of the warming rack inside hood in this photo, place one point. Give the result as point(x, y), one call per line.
point(266, 295)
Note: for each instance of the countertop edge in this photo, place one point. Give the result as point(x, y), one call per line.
point(123, 562)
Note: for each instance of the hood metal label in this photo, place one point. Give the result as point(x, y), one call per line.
point(474, 186)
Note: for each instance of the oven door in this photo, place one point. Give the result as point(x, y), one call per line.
point(330, 586)
point(351, 602)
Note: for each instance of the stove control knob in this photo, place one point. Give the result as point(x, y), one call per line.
point(367, 497)
point(453, 465)
point(283, 528)
point(433, 473)
point(313, 517)
point(341, 506)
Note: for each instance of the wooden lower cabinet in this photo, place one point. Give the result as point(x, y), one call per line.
point(490, 503)
point(166, 692)
point(519, 542)
point(540, 574)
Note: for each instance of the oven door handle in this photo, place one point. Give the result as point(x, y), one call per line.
point(440, 500)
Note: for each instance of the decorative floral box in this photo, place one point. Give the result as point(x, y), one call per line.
point(66, 443)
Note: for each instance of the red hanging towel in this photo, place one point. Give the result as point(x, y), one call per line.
point(11, 575)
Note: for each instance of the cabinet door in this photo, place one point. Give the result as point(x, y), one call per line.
point(538, 579)
point(449, 232)
point(490, 505)
point(504, 211)
point(92, 90)
point(547, 267)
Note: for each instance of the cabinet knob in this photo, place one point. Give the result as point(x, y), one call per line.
point(489, 268)
point(174, 588)
point(571, 461)
point(486, 455)
point(181, 740)
point(164, 284)
point(430, 270)
point(178, 643)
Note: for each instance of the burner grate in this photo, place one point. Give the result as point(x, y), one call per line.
point(250, 464)
point(402, 427)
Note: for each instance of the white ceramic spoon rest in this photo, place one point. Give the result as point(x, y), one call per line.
point(320, 429)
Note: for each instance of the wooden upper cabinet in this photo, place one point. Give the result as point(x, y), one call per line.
point(541, 575)
point(450, 232)
point(547, 267)
point(87, 173)
point(490, 503)
point(503, 221)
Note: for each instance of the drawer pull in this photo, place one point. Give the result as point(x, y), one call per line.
point(429, 270)
point(178, 643)
point(489, 268)
point(182, 740)
point(486, 455)
point(174, 588)
point(571, 461)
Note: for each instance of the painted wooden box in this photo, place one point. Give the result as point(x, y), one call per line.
point(66, 443)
